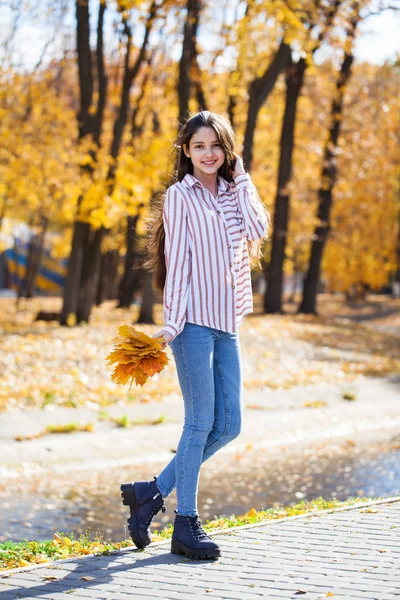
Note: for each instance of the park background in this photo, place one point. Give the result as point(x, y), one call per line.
point(91, 97)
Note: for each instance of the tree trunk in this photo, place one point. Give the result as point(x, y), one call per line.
point(101, 75)
point(80, 239)
point(259, 91)
point(128, 279)
point(30, 262)
point(90, 275)
point(108, 289)
point(146, 309)
point(79, 272)
point(36, 261)
point(273, 293)
point(101, 288)
point(188, 58)
point(85, 119)
point(232, 102)
point(325, 193)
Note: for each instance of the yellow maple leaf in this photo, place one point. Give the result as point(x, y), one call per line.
point(140, 376)
point(136, 355)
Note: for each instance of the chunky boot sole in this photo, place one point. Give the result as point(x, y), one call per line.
point(129, 499)
point(178, 548)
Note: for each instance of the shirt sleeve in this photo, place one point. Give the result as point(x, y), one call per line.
point(255, 216)
point(177, 262)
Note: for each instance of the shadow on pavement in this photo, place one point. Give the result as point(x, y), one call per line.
point(102, 570)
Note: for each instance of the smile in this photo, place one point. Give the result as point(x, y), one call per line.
point(208, 162)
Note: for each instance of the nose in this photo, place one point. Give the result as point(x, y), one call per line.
point(210, 152)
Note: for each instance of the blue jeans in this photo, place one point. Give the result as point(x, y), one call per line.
point(208, 363)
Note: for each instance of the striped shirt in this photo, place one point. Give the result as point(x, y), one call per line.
point(206, 254)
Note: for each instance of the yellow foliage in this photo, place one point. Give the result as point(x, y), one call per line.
point(45, 171)
point(137, 356)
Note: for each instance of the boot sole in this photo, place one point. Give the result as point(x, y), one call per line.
point(178, 548)
point(129, 499)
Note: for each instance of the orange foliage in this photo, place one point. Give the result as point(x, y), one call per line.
point(138, 356)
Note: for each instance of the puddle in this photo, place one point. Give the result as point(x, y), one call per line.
point(229, 484)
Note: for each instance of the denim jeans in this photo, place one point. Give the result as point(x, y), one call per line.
point(209, 367)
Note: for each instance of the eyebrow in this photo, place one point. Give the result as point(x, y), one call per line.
point(200, 142)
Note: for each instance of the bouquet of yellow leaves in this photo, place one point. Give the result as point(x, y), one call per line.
point(138, 356)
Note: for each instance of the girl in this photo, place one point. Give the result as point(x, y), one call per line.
point(209, 226)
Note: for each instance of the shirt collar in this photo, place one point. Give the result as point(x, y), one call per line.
point(190, 181)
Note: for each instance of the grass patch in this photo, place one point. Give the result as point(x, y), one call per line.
point(67, 428)
point(254, 516)
point(125, 422)
point(351, 397)
point(122, 421)
point(63, 545)
point(314, 403)
point(25, 553)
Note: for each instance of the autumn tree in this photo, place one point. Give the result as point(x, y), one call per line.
point(329, 170)
point(318, 19)
point(360, 251)
point(85, 260)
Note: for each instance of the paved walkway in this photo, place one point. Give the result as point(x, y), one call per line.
point(345, 554)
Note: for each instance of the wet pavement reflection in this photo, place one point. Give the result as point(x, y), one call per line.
point(230, 483)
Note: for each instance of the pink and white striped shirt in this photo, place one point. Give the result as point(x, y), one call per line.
point(207, 260)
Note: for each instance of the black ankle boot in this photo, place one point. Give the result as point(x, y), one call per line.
point(145, 501)
point(190, 539)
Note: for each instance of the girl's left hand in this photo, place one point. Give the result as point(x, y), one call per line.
point(165, 337)
point(239, 168)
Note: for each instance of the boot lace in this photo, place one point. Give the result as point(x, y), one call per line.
point(156, 508)
point(198, 530)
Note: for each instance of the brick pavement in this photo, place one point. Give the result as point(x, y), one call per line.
point(352, 553)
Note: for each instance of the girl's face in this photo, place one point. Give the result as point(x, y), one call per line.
point(205, 152)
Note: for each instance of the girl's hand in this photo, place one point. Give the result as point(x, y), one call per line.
point(239, 168)
point(166, 337)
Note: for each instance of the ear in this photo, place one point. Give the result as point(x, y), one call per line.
point(184, 148)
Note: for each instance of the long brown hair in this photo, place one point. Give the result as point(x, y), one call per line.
point(156, 234)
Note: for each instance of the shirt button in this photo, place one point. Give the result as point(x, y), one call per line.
point(231, 265)
point(234, 286)
point(219, 212)
point(229, 246)
point(226, 227)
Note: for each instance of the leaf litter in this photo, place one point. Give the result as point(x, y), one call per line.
point(44, 365)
